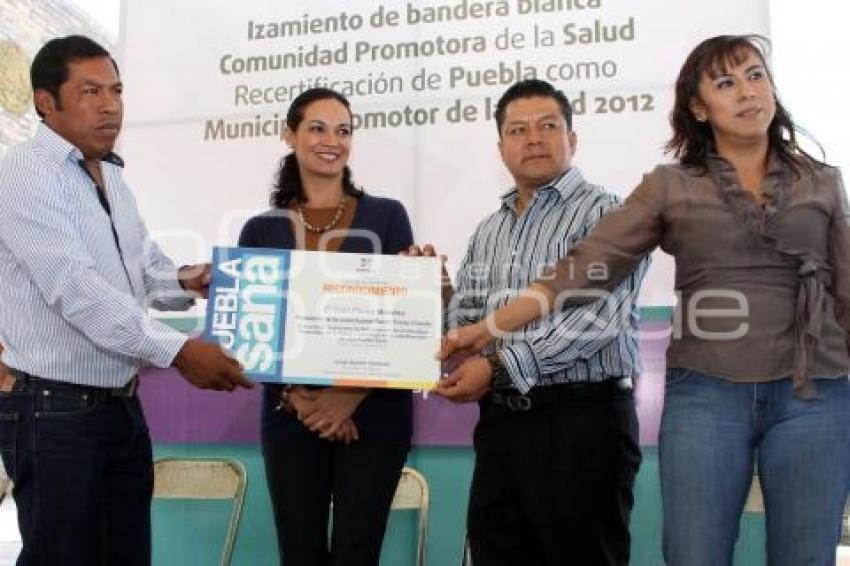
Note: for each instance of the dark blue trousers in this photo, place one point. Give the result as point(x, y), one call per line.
point(80, 460)
point(305, 472)
point(552, 485)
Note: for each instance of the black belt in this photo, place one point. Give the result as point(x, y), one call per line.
point(129, 389)
point(562, 393)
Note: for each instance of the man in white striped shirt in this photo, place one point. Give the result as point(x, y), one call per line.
point(77, 273)
point(557, 441)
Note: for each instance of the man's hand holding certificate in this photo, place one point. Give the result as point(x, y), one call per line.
point(327, 318)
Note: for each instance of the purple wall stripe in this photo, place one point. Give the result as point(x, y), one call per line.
point(178, 413)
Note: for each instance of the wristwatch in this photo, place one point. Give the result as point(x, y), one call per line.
point(501, 378)
point(180, 279)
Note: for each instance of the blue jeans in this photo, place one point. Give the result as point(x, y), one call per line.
point(80, 459)
point(712, 432)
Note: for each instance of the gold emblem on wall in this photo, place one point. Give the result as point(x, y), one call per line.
point(15, 91)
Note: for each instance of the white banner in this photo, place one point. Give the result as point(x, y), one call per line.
point(208, 85)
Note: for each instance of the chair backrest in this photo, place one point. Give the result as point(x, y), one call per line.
point(466, 559)
point(204, 478)
point(755, 499)
point(5, 488)
point(412, 493)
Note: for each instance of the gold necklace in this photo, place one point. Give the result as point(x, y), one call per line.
point(334, 221)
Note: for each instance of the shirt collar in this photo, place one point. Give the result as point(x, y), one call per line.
point(58, 150)
point(565, 186)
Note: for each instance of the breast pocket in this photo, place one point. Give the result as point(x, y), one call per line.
point(560, 247)
point(555, 251)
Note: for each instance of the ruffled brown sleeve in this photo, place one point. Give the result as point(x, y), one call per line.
point(615, 246)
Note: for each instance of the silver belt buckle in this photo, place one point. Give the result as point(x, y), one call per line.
point(518, 402)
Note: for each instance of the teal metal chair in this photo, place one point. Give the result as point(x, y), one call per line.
point(413, 493)
point(208, 479)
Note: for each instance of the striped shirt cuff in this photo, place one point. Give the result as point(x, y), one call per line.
point(173, 296)
point(161, 343)
point(521, 363)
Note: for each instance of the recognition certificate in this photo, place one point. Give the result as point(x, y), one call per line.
point(321, 318)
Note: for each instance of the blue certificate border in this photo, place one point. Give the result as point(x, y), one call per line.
point(229, 314)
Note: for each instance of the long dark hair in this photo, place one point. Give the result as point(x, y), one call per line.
point(693, 140)
point(287, 187)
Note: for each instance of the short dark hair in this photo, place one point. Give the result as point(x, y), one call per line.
point(533, 88)
point(287, 187)
point(49, 69)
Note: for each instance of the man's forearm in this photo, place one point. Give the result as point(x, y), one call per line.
point(534, 302)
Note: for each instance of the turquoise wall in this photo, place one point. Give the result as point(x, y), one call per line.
point(189, 533)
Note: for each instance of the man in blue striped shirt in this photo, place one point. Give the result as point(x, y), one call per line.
point(556, 444)
point(77, 273)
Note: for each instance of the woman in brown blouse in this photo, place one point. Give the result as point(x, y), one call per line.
point(757, 365)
